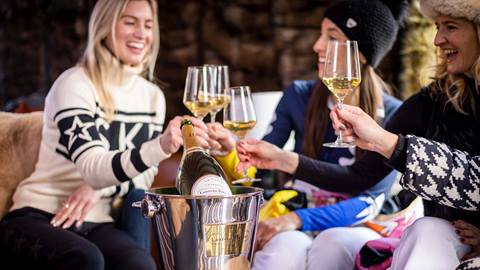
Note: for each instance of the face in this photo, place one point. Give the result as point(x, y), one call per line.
point(133, 33)
point(329, 31)
point(458, 42)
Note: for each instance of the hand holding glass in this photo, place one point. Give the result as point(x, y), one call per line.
point(341, 75)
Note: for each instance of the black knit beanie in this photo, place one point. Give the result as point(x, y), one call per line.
point(373, 24)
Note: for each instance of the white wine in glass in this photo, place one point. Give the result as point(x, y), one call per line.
point(239, 117)
point(341, 75)
point(197, 96)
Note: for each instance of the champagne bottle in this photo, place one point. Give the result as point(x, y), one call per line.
point(199, 173)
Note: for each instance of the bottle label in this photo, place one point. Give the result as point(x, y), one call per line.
point(210, 184)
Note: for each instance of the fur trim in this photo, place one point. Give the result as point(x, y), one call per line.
point(468, 9)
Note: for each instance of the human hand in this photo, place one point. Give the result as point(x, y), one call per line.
point(267, 229)
point(357, 126)
point(470, 235)
point(76, 207)
point(220, 138)
point(171, 139)
point(264, 155)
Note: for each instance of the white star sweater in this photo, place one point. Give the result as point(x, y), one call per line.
point(79, 145)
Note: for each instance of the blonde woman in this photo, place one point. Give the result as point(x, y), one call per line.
point(447, 111)
point(101, 139)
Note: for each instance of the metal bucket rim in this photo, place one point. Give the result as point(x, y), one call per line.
point(255, 192)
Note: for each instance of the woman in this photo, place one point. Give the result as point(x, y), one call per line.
point(101, 129)
point(446, 111)
point(304, 108)
point(455, 173)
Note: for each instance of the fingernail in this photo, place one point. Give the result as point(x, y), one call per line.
point(462, 240)
point(457, 231)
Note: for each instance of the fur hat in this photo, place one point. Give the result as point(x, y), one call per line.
point(468, 9)
point(373, 23)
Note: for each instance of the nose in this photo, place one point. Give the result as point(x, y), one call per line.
point(140, 32)
point(439, 38)
point(319, 45)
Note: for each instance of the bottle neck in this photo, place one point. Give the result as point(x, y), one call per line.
point(188, 134)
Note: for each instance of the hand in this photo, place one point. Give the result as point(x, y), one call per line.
point(220, 138)
point(171, 139)
point(470, 235)
point(267, 229)
point(76, 207)
point(264, 155)
point(357, 126)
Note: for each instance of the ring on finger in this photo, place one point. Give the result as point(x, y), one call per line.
point(66, 205)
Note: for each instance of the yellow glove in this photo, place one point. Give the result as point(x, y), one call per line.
point(275, 207)
point(229, 164)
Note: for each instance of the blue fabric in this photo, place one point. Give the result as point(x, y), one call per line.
point(344, 213)
point(290, 115)
point(131, 220)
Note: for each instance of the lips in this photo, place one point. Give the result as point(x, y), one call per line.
point(450, 54)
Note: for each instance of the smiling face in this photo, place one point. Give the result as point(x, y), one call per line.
point(329, 31)
point(133, 33)
point(458, 42)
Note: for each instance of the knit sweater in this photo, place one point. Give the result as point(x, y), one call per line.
point(78, 145)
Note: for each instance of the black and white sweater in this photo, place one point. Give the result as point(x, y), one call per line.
point(442, 174)
point(79, 145)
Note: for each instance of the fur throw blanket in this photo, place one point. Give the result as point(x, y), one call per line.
point(20, 137)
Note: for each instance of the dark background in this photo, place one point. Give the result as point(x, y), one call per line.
point(266, 43)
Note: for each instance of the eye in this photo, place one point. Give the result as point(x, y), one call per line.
point(451, 27)
point(148, 26)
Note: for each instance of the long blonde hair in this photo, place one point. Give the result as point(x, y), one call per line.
point(99, 62)
point(461, 94)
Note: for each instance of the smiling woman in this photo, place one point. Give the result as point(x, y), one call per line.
point(102, 139)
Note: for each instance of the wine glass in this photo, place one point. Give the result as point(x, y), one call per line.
point(219, 82)
point(239, 117)
point(341, 75)
point(197, 96)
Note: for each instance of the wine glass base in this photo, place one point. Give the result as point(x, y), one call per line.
point(245, 180)
point(339, 145)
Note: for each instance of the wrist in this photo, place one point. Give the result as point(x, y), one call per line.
point(288, 162)
point(386, 146)
point(165, 150)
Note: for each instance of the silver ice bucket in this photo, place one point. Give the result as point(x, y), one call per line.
point(214, 232)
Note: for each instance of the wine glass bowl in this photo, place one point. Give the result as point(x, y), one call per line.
point(341, 75)
point(198, 97)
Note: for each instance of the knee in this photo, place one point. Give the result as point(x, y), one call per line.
point(84, 257)
point(429, 226)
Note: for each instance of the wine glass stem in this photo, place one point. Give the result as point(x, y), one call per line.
point(212, 117)
point(339, 139)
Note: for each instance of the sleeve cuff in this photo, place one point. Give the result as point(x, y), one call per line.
point(152, 152)
point(398, 159)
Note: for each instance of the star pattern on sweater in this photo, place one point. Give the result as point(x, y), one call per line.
point(78, 129)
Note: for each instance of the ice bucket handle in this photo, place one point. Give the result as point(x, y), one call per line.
point(147, 207)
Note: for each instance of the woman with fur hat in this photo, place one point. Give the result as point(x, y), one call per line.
point(448, 111)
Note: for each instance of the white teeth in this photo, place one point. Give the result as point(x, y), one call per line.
point(449, 51)
point(321, 60)
point(137, 45)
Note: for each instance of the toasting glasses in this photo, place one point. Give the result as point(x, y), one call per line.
point(341, 75)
